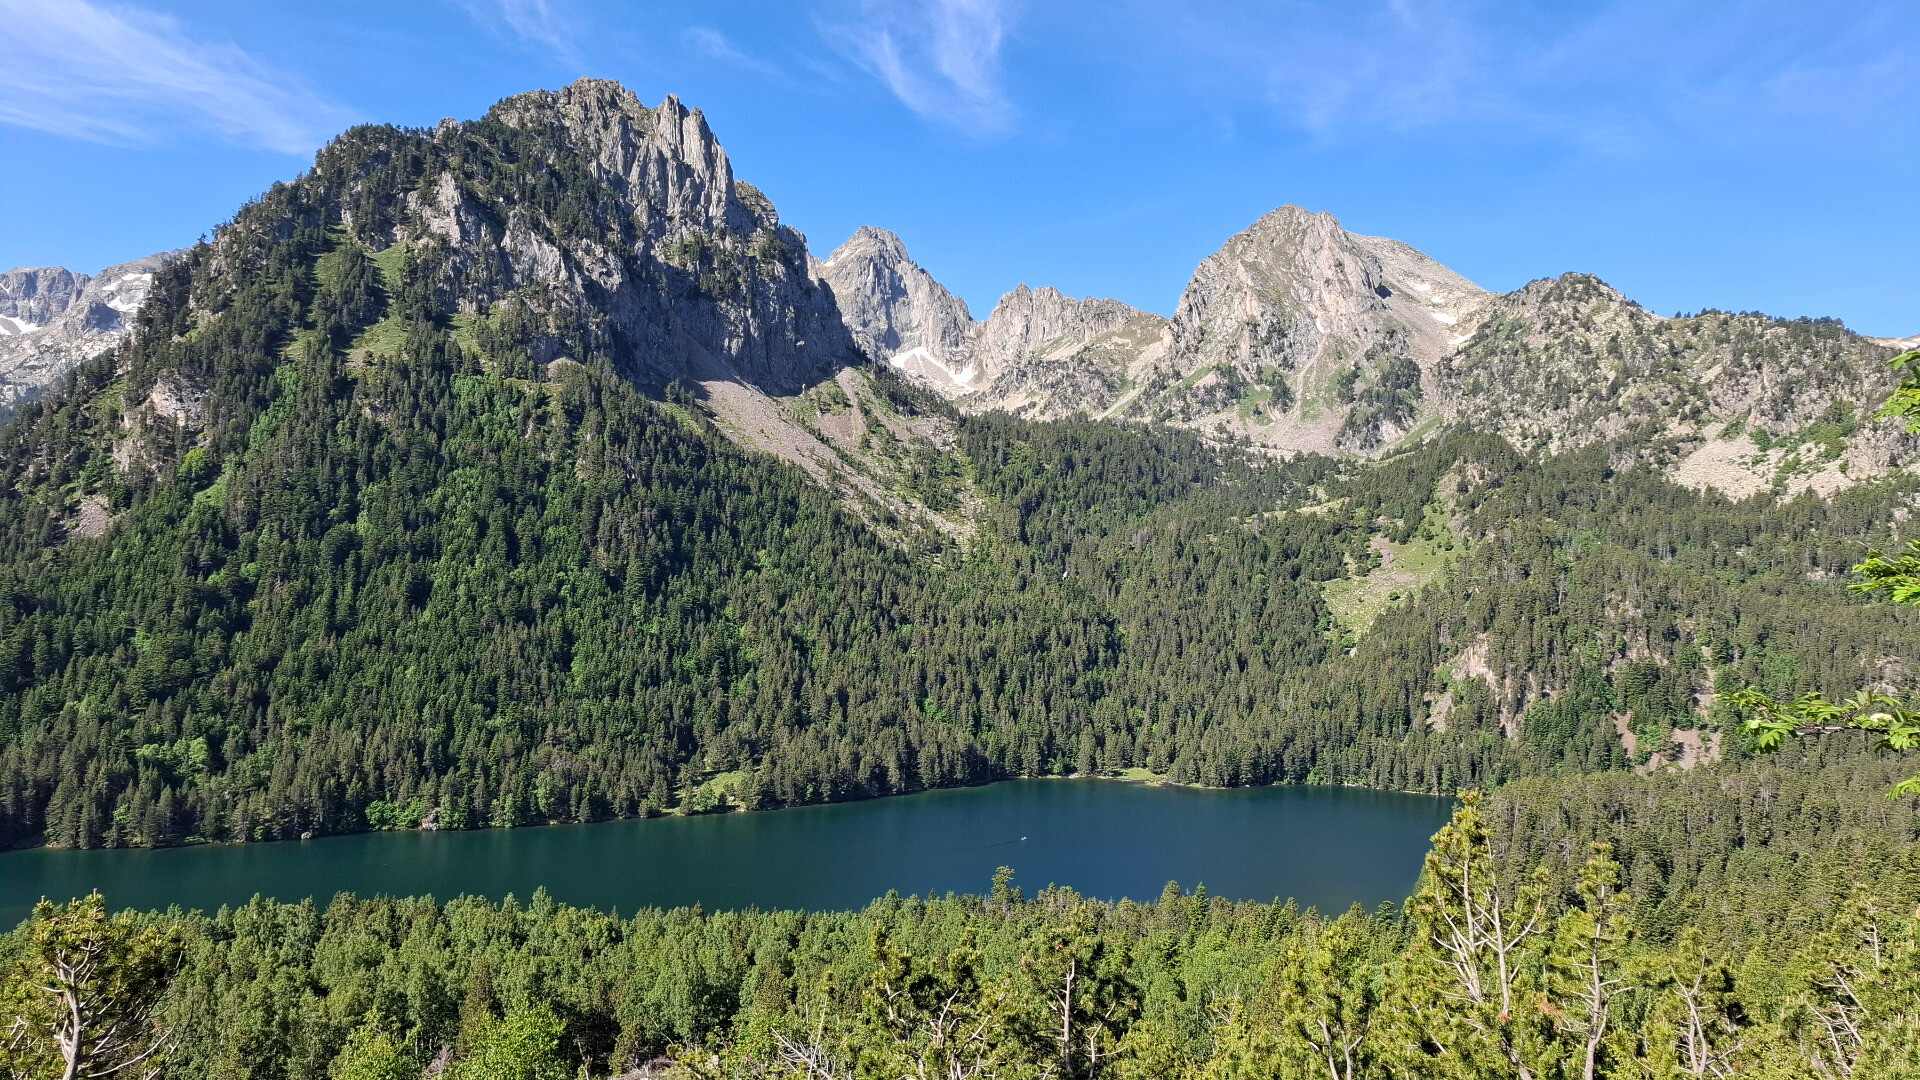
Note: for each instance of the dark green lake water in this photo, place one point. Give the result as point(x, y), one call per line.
point(1327, 847)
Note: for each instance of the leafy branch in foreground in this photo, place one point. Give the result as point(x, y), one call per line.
point(1895, 576)
point(1904, 404)
point(1772, 721)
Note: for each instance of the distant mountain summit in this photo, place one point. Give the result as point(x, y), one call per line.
point(1040, 354)
point(1045, 355)
point(52, 318)
point(899, 313)
point(640, 232)
point(1301, 335)
point(1287, 337)
point(1298, 335)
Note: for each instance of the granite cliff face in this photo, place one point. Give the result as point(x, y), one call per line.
point(35, 296)
point(897, 312)
point(52, 319)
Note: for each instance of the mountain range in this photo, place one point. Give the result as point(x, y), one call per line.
point(1295, 336)
point(530, 469)
point(1300, 336)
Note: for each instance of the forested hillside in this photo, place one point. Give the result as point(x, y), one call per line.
point(499, 602)
point(523, 471)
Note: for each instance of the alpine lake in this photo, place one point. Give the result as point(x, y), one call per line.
point(1320, 846)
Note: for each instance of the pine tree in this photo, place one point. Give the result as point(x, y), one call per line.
point(85, 1004)
point(1586, 962)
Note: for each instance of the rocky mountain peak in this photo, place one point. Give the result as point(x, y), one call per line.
point(665, 157)
point(876, 244)
point(1029, 356)
point(586, 107)
point(1572, 287)
point(1294, 234)
point(606, 217)
point(1298, 334)
point(1044, 355)
point(52, 319)
point(898, 313)
point(1567, 361)
point(31, 297)
point(1026, 321)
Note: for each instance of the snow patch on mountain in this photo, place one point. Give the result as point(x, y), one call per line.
point(52, 320)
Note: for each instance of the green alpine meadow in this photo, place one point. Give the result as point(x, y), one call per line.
point(529, 471)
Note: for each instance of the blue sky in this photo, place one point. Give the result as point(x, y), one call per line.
point(1759, 155)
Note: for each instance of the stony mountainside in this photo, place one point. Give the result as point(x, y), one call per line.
point(1295, 335)
point(899, 313)
point(582, 224)
point(1040, 354)
point(632, 223)
point(52, 318)
point(1299, 335)
point(1748, 401)
point(1567, 361)
point(1045, 355)
point(35, 296)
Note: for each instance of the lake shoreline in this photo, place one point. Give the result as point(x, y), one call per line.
point(1322, 845)
point(1128, 776)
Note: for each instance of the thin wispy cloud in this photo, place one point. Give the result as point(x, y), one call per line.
point(1616, 76)
point(118, 74)
point(538, 22)
point(941, 58)
point(714, 45)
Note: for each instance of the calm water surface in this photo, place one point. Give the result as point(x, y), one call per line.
point(1322, 846)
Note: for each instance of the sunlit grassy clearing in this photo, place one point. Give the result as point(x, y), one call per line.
point(1405, 569)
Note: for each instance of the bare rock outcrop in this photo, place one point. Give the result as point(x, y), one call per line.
point(898, 313)
point(1040, 354)
point(52, 319)
point(620, 225)
point(1297, 334)
point(1045, 355)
